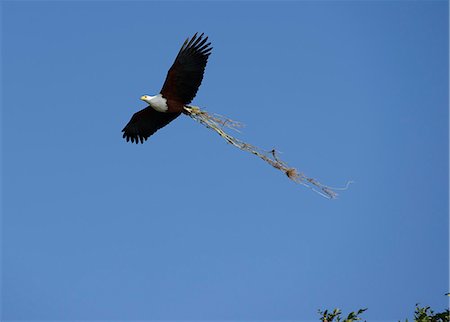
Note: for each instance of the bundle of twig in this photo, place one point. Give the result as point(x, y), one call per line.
point(218, 123)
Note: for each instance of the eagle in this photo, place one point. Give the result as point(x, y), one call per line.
point(179, 89)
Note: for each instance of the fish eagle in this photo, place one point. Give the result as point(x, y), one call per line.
point(181, 85)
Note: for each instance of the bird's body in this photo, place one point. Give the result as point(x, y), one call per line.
point(180, 87)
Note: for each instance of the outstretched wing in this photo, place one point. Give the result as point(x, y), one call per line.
point(146, 122)
point(186, 73)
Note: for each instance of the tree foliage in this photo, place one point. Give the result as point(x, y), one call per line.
point(335, 316)
point(426, 314)
point(421, 314)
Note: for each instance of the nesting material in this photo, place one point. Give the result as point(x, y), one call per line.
point(219, 123)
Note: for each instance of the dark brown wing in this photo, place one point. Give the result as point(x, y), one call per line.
point(146, 122)
point(186, 73)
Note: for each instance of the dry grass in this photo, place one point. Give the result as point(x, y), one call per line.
point(218, 123)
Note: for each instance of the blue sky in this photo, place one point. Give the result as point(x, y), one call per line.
point(187, 227)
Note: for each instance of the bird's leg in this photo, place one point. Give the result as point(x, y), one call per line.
point(192, 109)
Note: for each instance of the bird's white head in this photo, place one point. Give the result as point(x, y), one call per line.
point(146, 98)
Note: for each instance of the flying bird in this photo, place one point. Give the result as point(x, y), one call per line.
point(179, 89)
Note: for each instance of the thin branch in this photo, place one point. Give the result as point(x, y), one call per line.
point(218, 123)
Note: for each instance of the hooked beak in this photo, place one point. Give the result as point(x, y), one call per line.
point(143, 97)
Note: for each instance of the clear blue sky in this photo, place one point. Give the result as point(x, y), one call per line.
point(187, 227)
